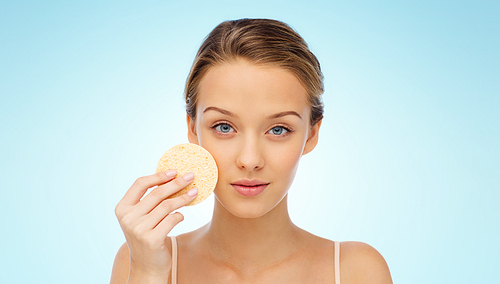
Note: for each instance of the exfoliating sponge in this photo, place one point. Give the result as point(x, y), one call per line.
point(190, 157)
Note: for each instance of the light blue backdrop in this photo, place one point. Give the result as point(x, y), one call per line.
point(408, 159)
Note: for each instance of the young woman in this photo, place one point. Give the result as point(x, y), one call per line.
point(253, 100)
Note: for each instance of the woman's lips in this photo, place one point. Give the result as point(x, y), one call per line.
point(249, 187)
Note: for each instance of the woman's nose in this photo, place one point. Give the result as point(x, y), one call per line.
point(250, 156)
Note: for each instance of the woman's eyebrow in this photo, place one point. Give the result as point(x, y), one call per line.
point(285, 113)
point(272, 116)
point(223, 111)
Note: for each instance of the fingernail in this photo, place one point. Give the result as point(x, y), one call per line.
point(171, 173)
point(188, 177)
point(192, 192)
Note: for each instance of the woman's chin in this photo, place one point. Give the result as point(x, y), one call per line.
point(246, 210)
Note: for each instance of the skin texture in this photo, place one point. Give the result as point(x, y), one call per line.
point(254, 120)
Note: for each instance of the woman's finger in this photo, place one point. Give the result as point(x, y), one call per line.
point(168, 223)
point(166, 207)
point(157, 195)
point(142, 184)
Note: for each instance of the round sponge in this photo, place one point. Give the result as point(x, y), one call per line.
point(190, 157)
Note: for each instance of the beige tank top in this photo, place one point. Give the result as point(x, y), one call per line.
point(336, 261)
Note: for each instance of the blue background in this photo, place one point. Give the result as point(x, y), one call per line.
point(408, 158)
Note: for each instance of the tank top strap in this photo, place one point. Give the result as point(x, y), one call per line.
point(336, 262)
point(174, 260)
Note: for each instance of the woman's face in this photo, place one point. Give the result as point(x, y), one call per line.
point(254, 120)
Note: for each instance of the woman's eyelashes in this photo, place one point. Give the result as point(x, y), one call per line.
point(280, 131)
point(224, 128)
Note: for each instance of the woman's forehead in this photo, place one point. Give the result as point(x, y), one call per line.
point(248, 85)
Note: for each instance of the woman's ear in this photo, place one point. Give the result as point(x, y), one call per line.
point(312, 140)
point(192, 135)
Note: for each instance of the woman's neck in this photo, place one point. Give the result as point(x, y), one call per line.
point(251, 244)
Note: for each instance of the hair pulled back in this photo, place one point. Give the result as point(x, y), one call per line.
point(260, 41)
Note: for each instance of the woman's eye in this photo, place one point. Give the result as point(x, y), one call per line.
point(278, 130)
point(224, 128)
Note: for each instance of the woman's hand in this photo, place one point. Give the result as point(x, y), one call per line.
point(147, 222)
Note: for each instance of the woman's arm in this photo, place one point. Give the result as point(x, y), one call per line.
point(362, 264)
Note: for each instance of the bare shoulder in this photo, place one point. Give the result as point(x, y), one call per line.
point(361, 263)
point(121, 265)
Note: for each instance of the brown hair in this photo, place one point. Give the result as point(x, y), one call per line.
point(261, 41)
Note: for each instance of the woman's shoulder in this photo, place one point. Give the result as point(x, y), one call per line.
point(361, 263)
point(120, 271)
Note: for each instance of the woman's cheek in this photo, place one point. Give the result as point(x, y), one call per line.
point(284, 157)
point(221, 151)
